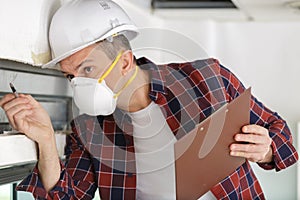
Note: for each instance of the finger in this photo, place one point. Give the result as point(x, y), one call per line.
point(14, 102)
point(249, 138)
point(250, 148)
point(14, 110)
point(237, 154)
point(253, 157)
point(6, 99)
point(21, 121)
point(31, 100)
point(253, 138)
point(256, 129)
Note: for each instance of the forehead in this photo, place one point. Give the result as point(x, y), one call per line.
point(71, 63)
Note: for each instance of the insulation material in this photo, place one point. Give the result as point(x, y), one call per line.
point(24, 30)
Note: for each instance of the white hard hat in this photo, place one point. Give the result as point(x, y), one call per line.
point(80, 23)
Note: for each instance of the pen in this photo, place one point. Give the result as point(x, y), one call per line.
point(14, 90)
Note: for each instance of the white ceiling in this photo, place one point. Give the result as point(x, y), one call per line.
point(268, 9)
point(258, 10)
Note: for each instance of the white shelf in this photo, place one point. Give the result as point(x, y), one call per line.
point(17, 149)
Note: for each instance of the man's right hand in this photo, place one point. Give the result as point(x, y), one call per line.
point(27, 116)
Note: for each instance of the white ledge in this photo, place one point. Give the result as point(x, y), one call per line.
point(17, 149)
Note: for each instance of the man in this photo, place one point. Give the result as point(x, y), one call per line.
point(133, 111)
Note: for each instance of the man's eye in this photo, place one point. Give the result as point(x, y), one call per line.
point(88, 70)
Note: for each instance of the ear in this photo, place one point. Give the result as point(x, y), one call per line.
point(127, 62)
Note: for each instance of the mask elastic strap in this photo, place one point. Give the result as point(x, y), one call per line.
point(128, 82)
point(111, 67)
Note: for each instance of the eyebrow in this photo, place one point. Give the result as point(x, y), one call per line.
point(83, 62)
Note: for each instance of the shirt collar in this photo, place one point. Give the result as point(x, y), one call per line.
point(157, 76)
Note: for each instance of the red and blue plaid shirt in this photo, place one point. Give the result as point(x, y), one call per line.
point(100, 152)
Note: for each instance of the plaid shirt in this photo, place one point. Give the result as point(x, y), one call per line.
point(100, 152)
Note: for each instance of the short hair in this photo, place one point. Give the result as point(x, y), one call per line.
point(112, 46)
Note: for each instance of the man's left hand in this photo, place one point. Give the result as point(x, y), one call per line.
point(257, 144)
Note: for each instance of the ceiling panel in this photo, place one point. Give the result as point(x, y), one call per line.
point(258, 10)
point(193, 4)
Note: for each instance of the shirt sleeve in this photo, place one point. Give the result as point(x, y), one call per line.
point(284, 153)
point(76, 177)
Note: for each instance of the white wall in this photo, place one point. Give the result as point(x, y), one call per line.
point(263, 55)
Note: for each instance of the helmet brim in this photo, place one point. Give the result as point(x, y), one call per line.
point(130, 33)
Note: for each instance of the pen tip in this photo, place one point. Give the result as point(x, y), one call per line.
point(11, 85)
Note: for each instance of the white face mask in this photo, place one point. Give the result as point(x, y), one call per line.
point(94, 97)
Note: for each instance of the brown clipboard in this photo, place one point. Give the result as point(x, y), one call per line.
point(202, 157)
